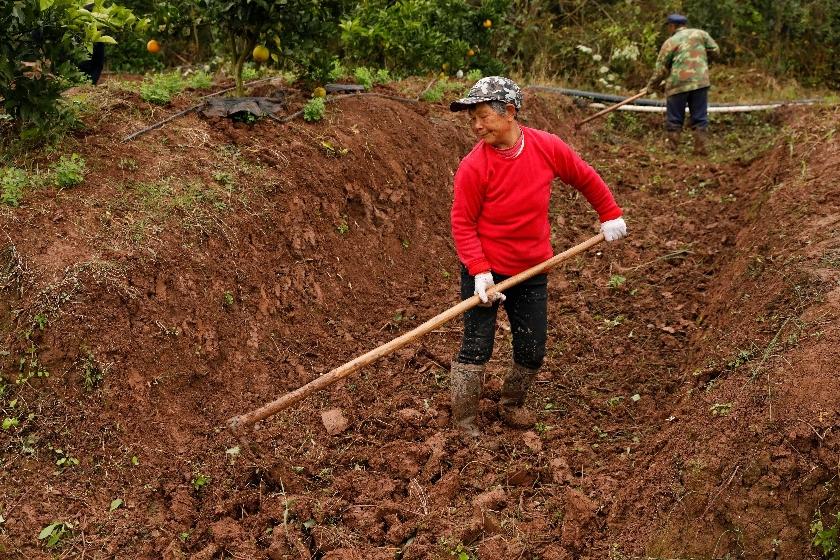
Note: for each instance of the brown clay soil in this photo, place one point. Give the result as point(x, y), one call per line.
point(207, 267)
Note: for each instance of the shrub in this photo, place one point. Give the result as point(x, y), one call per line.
point(474, 75)
point(314, 109)
point(161, 87)
point(410, 36)
point(44, 41)
point(364, 77)
point(69, 171)
point(12, 183)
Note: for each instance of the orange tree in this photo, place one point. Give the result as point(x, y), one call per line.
point(302, 27)
point(45, 40)
point(420, 35)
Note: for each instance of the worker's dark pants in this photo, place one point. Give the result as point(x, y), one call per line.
point(698, 107)
point(527, 309)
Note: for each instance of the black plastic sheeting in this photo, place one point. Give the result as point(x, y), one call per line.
point(609, 98)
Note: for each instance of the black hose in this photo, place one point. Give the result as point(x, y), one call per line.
point(609, 98)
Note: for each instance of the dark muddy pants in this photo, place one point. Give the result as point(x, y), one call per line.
point(698, 108)
point(527, 309)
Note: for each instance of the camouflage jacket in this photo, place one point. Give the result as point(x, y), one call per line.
point(682, 62)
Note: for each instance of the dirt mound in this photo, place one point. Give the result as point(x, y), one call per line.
point(211, 266)
point(750, 456)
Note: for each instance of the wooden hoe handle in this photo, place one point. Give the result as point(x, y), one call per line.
point(343, 371)
point(611, 108)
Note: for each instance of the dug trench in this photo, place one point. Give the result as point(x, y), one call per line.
point(687, 407)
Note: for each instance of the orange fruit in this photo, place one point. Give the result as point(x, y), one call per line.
point(470, 52)
point(488, 23)
point(260, 53)
point(153, 46)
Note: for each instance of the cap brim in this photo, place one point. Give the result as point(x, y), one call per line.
point(466, 102)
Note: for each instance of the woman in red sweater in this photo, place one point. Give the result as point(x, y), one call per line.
point(500, 227)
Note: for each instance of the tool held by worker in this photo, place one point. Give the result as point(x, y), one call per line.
point(611, 108)
point(324, 381)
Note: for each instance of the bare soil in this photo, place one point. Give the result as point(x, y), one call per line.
point(687, 407)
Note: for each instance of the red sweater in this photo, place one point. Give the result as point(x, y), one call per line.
point(500, 210)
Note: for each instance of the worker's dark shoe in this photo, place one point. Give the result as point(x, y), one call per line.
point(700, 137)
point(514, 391)
point(465, 381)
point(673, 138)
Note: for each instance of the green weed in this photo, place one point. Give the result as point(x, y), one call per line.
point(827, 539)
point(13, 182)
point(474, 75)
point(368, 78)
point(53, 533)
point(162, 87)
point(199, 481)
point(64, 460)
point(227, 299)
point(314, 109)
point(200, 80)
point(92, 373)
point(69, 171)
point(720, 409)
point(616, 281)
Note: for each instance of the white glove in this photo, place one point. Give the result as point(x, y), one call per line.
point(484, 281)
point(614, 229)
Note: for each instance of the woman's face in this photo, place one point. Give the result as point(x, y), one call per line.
point(488, 125)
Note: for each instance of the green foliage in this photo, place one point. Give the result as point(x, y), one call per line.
point(199, 481)
point(53, 533)
point(827, 539)
point(364, 77)
point(92, 373)
point(69, 171)
point(798, 37)
point(474, 75)
point(314, 109)
point(200, 80)
point(227, 299)
point(616, 281)
point(436, 93)
point(13, 181)
point(410, 36)
point(44, 42)
point(180, 26)
point(160, 88)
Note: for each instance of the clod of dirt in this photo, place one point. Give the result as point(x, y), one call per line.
point(492, 500)
point(532, 441)
point(334, 421)
point(226, 531)
point(561, 473)
point(410, 416)
point(578, 520)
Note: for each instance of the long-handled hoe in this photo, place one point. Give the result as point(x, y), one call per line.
point(238, 422)
point(611, 108)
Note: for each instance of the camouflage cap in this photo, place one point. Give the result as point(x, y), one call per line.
point(491, 88)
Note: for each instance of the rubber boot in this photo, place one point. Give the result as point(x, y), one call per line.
point(514, 391)
point(673, 137)
point(700, 137)
point(465, 381)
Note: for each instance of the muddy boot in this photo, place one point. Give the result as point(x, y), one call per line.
point(700, 137)
point(465, 381)
point(514, 390)
point(673, 137)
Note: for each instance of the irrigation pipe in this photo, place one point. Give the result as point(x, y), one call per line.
point(718, 109)
point(609, 98)
point(190, 109)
